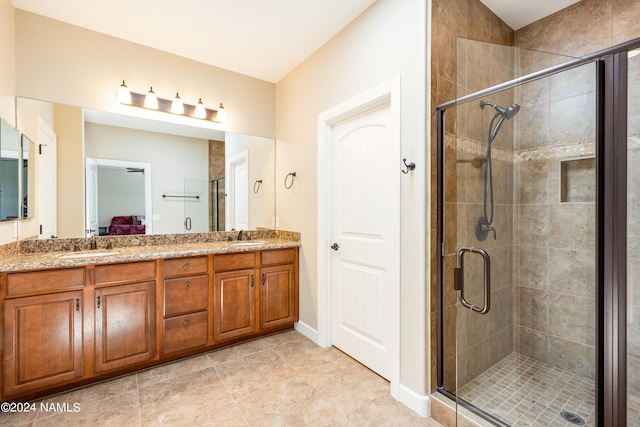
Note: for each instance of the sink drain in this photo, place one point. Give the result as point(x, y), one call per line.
point(572, 418)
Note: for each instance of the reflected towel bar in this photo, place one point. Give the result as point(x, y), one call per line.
point(164, 196)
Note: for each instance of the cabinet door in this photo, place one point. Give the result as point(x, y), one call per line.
point(42, 342)
point(234, 304)
point(125, 325)
point(277, 296)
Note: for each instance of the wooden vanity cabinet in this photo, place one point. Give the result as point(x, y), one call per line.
point(124, 299)
point(278, 288)
point(234, 296)
point(42, 333)
point(64, 327)
point(186, 304)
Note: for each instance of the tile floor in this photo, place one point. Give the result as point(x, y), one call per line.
point(280, 380)
point(525, 392)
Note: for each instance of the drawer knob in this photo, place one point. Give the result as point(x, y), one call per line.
point(187, 284)
point(186, 323)
point(186, 266)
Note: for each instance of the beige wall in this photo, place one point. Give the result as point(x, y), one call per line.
point(7, 84)
point(84, 68)
point(385, 41)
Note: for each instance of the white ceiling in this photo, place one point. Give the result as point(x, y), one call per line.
point(265, 39)
point(520, 13)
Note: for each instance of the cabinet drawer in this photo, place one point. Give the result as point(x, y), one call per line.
point(129, 272)
point(37, 282)
point(185, 332)
point(186, 266)
point(240, 261)
point(278, 256)
point(185, 294)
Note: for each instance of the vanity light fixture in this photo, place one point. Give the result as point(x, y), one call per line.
point(151, 100)
point(175, 106)
point(123, 95)
point(200, 112)
point(221, 114)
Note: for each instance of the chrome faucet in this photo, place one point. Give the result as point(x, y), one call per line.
point(240, 235)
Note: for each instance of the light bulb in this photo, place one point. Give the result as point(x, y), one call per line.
point(200, 112)
point(151, 100)
point(221, 115)
point(177, 107)
point(123, 95)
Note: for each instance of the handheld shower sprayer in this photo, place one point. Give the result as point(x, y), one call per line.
point(483, 223)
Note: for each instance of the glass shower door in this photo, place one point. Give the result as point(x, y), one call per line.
point(196, 205)
point(520, 252)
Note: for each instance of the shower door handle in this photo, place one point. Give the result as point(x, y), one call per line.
point(459, 279)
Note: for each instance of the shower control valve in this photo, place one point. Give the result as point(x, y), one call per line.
point(483, 228)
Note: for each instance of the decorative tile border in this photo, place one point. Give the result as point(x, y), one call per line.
point(580, 149)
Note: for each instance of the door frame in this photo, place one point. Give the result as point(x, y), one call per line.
point(44, 211)
point(230, 184)
point(148, 203)
point(387, 92)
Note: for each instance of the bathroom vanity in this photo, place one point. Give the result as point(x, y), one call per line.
point(71, 319)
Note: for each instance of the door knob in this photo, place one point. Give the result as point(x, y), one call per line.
point(335, 247)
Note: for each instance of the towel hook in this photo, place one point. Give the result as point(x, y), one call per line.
point(293, 176)
point(411, 166)
point(256, 186)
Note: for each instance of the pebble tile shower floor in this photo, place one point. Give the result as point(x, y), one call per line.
point(522, 391)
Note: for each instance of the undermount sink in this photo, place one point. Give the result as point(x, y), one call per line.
point(249, 243)
point(87, 254)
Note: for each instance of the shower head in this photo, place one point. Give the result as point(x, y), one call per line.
point(508, 113)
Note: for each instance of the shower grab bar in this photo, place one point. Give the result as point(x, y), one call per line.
point(459, 279)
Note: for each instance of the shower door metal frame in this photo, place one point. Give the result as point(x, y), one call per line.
point(611, 221)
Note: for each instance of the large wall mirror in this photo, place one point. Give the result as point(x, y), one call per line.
point(9, 172)
point(144, 176)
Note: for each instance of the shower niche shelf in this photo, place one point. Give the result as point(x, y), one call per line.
point(578, 180)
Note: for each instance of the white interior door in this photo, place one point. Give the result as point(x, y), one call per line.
point(47, 180)
point(238, 203)
point(365, 218)
point(91, 180)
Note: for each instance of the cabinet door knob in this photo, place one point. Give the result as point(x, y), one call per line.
point(77, 304)
point(186, 323)
point(335, 246)
point(186, 266)
point(187, 284)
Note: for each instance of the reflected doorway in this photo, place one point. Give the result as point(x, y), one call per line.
point(118, 197)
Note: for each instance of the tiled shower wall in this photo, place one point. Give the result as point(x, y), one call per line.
point(554, 240)
point(546, 248)
point(585, 27)
point(451, 19)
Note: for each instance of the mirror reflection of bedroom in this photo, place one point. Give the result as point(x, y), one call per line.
point(162, 187)
point(140, 181)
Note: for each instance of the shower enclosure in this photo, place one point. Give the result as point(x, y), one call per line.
point(539, 278)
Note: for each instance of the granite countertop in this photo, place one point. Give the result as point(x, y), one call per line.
point(60, 258)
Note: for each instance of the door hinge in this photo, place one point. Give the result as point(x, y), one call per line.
point(40, 228)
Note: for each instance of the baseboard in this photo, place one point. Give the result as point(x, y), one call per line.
point(307, 331)
point(417, 403)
